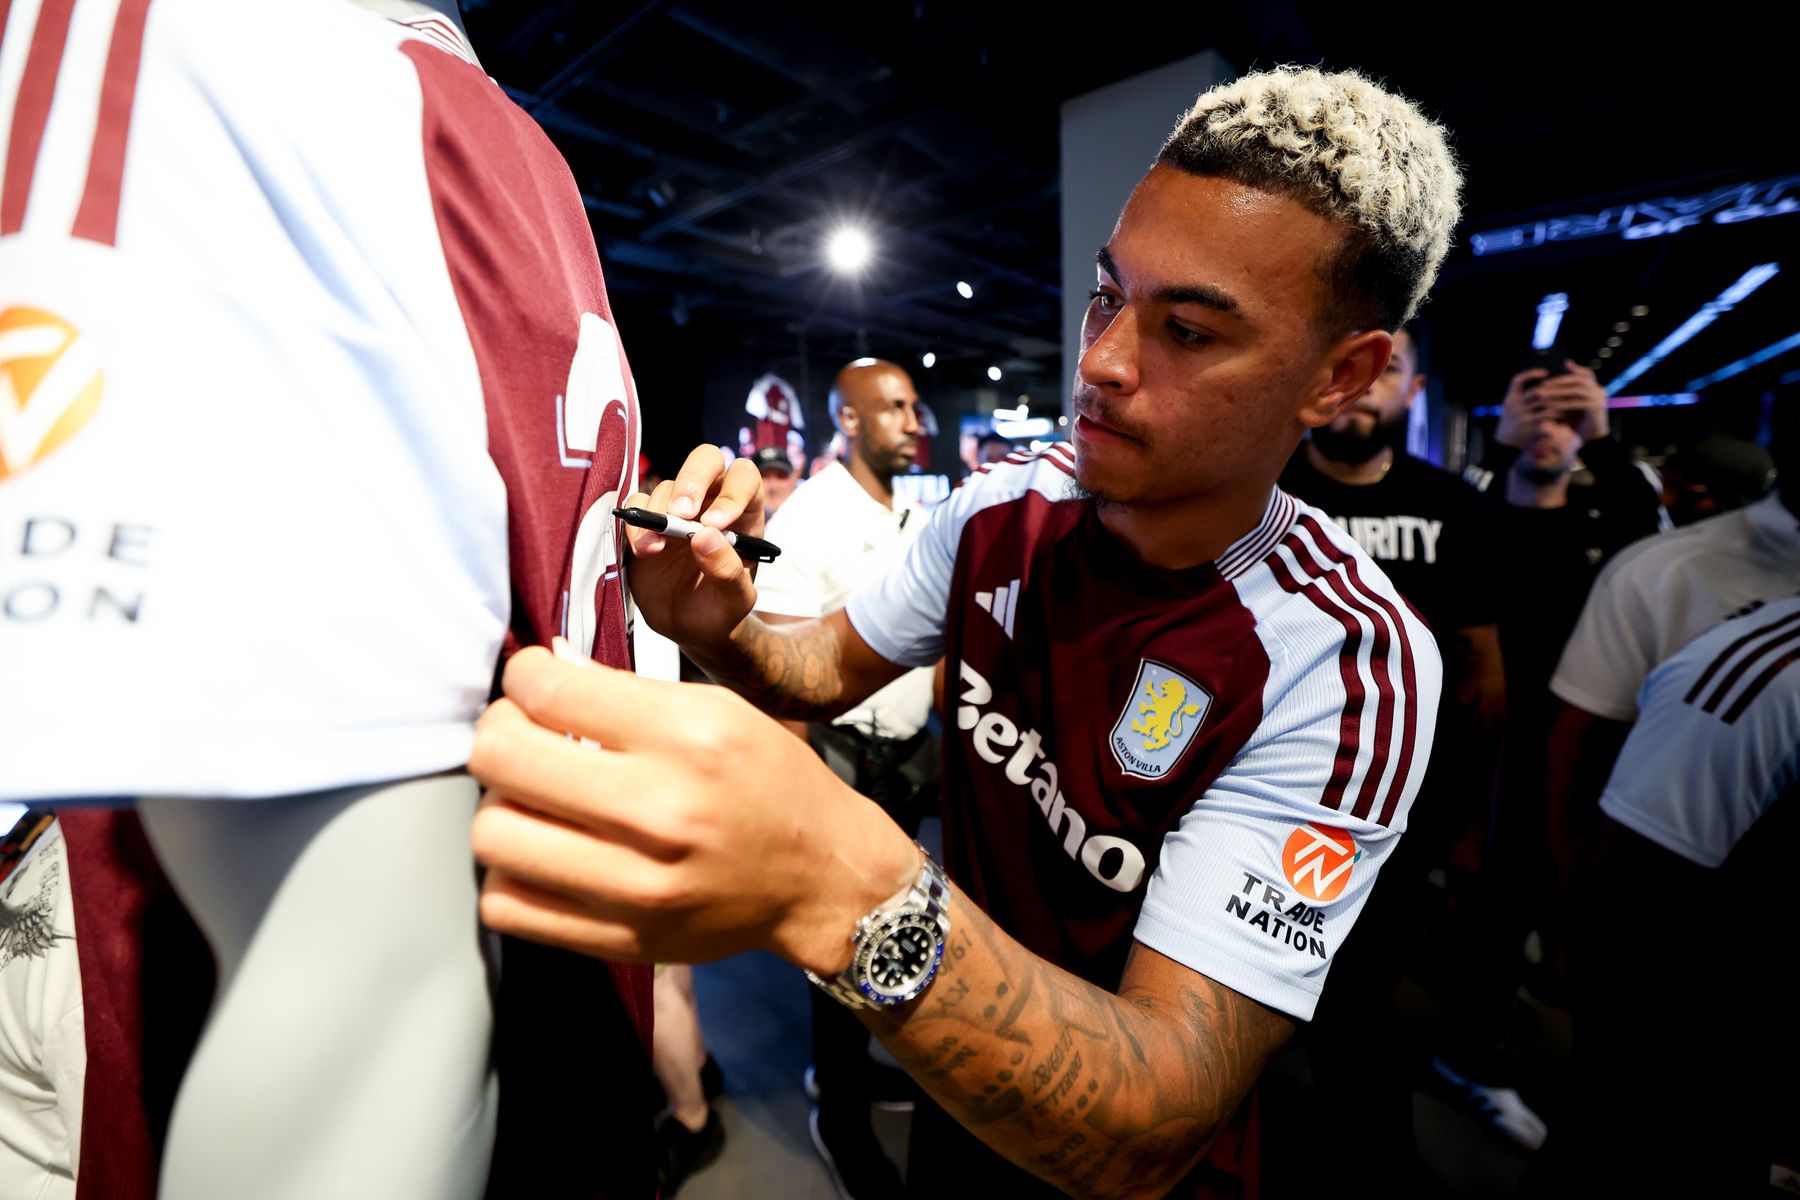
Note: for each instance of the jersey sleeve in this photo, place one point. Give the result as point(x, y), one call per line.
point(902, 615)
point(1717, 740)
point(1268, 871)
point(1612, 649)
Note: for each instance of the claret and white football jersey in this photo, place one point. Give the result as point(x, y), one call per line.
point(310, 399)
point(1215, 761)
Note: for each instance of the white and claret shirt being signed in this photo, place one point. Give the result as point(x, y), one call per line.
point(310, 399)
point(311, 406)
point(1214, 761)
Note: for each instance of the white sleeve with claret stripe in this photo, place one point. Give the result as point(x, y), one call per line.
point(1266, 874)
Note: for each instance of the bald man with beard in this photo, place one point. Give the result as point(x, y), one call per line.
point(839, 533)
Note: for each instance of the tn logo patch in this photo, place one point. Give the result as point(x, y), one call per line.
point(50, 383)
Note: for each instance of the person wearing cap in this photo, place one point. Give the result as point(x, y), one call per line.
point(1715, 475)
point(778, 477)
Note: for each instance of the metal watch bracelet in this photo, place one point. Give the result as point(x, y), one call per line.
point(923, 913)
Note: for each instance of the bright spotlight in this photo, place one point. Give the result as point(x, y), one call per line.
point(965, 291)
point(849, 250)
point(930, 359)
point(994, 374)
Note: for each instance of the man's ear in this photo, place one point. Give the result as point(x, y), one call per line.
point(847, 421)
point(1351, 368)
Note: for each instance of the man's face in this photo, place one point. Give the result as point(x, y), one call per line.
point(1550, 452)
point(1201, 366)
point(1376, 420)
point(777, 487)
point(881, 410)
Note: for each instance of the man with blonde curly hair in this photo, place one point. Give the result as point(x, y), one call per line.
point(1190, 714)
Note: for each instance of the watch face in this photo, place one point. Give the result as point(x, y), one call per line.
point(901, 961)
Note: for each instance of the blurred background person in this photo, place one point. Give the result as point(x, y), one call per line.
point(779, 478)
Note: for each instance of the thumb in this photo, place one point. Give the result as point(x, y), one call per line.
point(717, 558)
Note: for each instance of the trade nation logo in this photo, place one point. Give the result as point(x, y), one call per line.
point(50, 385)
point(1317, 861)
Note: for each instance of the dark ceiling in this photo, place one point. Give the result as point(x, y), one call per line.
point(717, 143)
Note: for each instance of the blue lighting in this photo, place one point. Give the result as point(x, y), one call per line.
point(1660, 400)
point(1744, 364)
point(1709, 312)
point(1550, 314)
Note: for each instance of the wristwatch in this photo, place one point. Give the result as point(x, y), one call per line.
point(898, 947)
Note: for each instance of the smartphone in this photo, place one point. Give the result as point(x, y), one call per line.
point(1552, 360)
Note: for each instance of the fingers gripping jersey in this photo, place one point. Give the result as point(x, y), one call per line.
point(1214, 761)
point(307, 381)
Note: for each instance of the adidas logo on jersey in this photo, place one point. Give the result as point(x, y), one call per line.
point(997, 740)
point(1001, 604)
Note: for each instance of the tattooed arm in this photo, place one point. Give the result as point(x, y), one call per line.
point(808, 670)
point(1097, 1093)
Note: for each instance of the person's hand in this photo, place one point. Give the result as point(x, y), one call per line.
point(1578, 400)
point(1521, 408)
point(697, 829)
point(695, 592)
point(1531, 396)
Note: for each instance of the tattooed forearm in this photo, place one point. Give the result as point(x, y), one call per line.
point(1100, 1094)
point(789, 671)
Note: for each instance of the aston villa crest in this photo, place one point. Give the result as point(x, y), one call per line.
point(1164, 710)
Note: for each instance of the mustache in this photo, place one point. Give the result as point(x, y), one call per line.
point(1092, 406)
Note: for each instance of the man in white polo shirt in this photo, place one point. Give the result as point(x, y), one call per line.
point(838, 534)
point(1658, 595)
point(1690, 880)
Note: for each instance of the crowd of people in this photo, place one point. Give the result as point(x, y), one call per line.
point(385, 827)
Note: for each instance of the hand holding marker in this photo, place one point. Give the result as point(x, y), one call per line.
point(750, 549)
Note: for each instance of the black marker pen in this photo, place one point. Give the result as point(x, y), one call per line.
point(750, 549)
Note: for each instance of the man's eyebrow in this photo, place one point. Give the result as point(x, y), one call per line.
point(1203, 294)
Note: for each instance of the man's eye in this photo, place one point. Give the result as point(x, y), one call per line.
point(1186, 336)
point(1106, 302)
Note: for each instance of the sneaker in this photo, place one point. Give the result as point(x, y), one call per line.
point(681, 1151)
point(860, 1169)
point(1500, 1108)
point(895, 1091)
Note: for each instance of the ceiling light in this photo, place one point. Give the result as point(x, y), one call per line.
point(930, 359)
point(1606, 352)
point(1622, 327)
point(1709, 312)
point(1640, 310)
point(848, 250)
point(994, 374)
point(964, 290)
point(1745, 363)
point(1615, 341)
point(1550, 312)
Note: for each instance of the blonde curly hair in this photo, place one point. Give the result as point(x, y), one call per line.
point(1349, 150)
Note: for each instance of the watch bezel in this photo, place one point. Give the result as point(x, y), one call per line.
point(879, 931)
